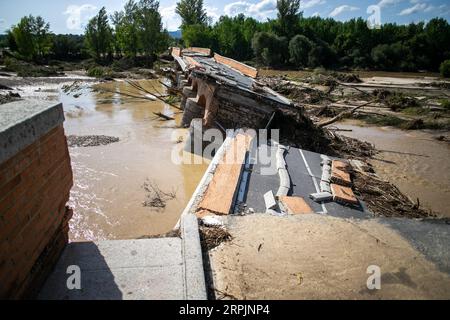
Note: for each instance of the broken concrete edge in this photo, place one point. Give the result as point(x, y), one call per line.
point(175, 52)
point(23, 122)
point(205, 51)
point(194, 274)
point(188, 225)
point(202, 186)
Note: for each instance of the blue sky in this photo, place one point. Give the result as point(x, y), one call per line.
point(70, 16)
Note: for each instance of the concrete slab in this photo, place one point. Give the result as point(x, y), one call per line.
point(148, 269)
point(121, 269)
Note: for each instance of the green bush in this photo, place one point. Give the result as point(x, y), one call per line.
point(299, 48)
point(445, 69)
point(269, 49)
point(99, 72)
point(125, 63)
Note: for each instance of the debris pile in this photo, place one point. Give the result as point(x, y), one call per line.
point(212, 237)
point(90, 141)
point(385, 199)
point(155, 197)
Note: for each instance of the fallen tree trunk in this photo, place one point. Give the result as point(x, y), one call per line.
point(342, 115)
point(163, 116)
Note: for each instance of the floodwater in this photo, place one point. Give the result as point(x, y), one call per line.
point(414, 161)
point(108, 195)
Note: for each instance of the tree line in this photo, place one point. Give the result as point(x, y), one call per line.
point(288, 41)
point(134, 32)
point(294, 41)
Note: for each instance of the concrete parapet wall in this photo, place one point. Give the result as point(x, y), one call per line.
point(205, 51)
point(239, 66)
point(35, 182)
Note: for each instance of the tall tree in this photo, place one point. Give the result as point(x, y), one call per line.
point(32, 37)
point(126, 29)
point(288, 17)
point(152, 36)
point(98, 36)
point(191, 12)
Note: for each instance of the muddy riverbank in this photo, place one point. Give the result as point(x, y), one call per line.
point(415, 161)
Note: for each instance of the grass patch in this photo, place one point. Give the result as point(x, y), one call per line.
point(392, 121)
point(100, 72)
point(382, 121)
point(445, 103)
point(415, 111)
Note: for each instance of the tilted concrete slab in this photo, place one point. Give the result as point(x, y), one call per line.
point(147, 269)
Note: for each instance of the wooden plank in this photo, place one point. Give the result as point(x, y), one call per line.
point(221, 191)
point(295, 205)
point(343, 194)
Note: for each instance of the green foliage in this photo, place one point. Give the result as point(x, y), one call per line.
point(99, 72)
point(67, 47)
point(138, 30)
point(191, 13)
point(234, 36)
point(32, 38)
point(269, 49)
point(98, 36)
point(198, 35)
point(126, 30)
point(299, 48)
point(288, 17)
point(445, 103)
point(444, 69)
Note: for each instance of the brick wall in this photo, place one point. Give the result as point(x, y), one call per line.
point(34, 189)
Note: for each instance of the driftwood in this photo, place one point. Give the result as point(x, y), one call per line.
point(171, 88)
point(163, 116)
point(139, 87)
point(342, 115)
point(128, 94)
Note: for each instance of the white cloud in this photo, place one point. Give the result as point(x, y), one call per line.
point(311, 3)
point(387, 3)
point(414, 9)
point(212, 13)
point(338, 10)
point(260, 10)
point(78, 16)
point(315, 14)
point(171, 21)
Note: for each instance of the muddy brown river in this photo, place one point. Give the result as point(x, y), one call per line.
point(108, 195)
point(414, 161)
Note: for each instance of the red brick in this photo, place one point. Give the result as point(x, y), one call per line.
point(343, 194)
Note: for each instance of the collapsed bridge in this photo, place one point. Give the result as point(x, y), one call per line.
point(224, 92)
